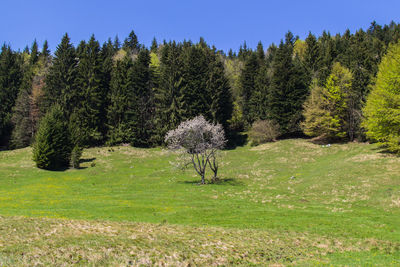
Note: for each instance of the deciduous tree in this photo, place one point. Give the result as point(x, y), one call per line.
point(199, 141)
point(382, 110)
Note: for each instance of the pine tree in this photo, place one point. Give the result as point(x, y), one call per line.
point(61, 80)
point(247, 87)
point(289, 88)
point(260, 53)
point(154, 46)
point(10, 80)
point(168, 96)
point(131, 44)
point(106, 57)
point(143, 104)
point(120, 108)
point(52, 147)
point(116, 44)
point(45, 50)
point(194, 80)
point(221, 105)
point(230, 54)
point(259, 99)
point(327, 55)
point(244, 52)
point(34, 53)
point(311, 57)
point(92, 98)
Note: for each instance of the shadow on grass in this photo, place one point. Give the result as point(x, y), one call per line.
point(220, 181)
point(55, 168)
point(384, 150)
point(87, 160)
point(228, 181)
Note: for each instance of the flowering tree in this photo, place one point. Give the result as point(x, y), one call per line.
point(199, 142)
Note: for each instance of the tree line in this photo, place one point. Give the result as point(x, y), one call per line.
point(115, 92)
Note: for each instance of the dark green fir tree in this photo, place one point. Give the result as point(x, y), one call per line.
point(61, 80)
point(52, 147)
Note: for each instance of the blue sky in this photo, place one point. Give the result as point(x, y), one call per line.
point(226, 24)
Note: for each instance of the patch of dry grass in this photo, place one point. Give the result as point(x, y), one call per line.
point(43, 242)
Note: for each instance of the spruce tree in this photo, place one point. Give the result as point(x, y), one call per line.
point(247, 87)
point(221, 104)
point(92, 96)
point(327, 55)
point(194, 80)
point(230, 54)
point(10, 80)
point(131, 44)
point(169, 94)
point(289, 88)
point(258, 102)
point(120, 108)
point(34, 53)
point(260, 53)
point(154, 46)
point(143, 101)
point(107, 54)
point(116, 44)
point(52, 147)
point(311, 57)
point(61, 80)
point(45, 50)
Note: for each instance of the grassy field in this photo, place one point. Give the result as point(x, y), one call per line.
point(289, 202)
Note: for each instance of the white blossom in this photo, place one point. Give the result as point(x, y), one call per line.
point(199, 140)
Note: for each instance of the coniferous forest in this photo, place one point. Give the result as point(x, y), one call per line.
point(124, 92)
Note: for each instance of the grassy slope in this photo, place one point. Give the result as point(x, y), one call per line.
point(343, 204)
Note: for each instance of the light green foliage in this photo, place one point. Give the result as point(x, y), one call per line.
point(382, 110)
point(233, 69)
point(299, 49)
point(237, 121)
point(154, 60)
point(325, 109)
point(316, 112)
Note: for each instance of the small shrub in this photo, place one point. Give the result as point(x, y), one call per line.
point(76, 155)
point(263, 131)
point(93, 164)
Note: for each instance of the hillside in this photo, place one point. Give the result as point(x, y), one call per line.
point(285, 202)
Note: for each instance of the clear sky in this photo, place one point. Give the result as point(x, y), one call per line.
point(226, 24)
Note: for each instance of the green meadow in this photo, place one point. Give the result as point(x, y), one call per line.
point(285, 203)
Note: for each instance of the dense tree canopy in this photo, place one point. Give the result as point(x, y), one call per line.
point(126, 93)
